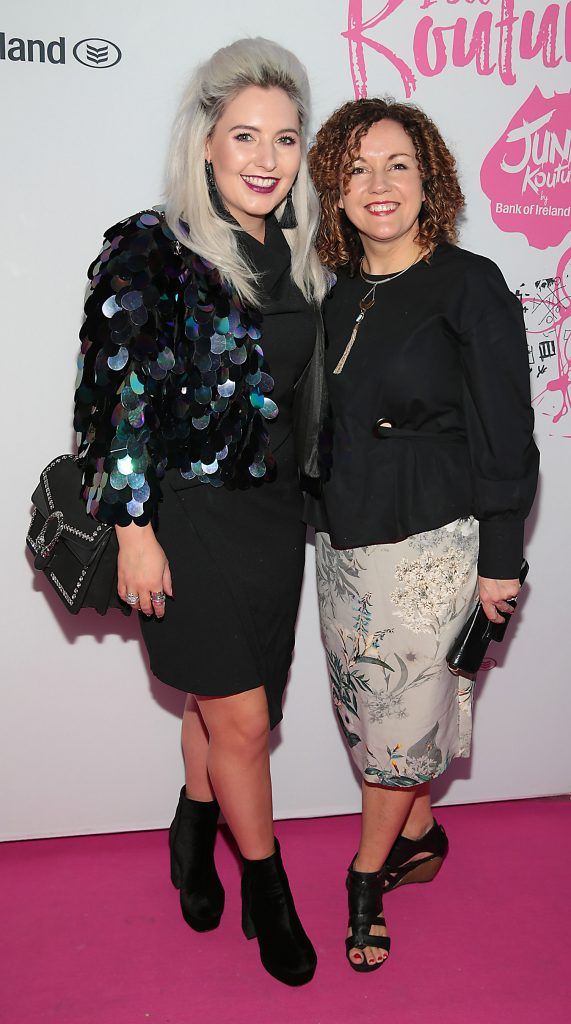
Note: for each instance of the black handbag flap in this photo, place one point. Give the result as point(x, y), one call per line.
point(77, 554)
point(59, 490)
point(40, 501)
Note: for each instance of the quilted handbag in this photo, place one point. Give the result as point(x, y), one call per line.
point(75, 553)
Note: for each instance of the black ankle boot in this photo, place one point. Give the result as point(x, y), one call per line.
point(269, 914)
point(191, 840)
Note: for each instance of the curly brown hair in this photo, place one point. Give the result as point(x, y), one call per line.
point(332, 156)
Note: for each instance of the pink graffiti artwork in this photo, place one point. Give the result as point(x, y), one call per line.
point(547, 313)
point(526, 174)
point(493, 38)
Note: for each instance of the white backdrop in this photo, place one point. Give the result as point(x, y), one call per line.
point(89, 741)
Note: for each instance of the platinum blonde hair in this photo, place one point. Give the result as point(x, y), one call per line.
point(214, 84)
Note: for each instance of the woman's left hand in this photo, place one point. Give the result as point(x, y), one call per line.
point(494, 595)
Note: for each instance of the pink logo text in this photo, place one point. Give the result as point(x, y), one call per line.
point(490, 39)
point(526, 174)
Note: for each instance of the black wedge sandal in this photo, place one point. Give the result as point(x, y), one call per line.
point(365, 889)
point(429, 851)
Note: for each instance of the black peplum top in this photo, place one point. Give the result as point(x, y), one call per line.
point(442, 357)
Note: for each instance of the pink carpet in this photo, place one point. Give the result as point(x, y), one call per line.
point(91, 931)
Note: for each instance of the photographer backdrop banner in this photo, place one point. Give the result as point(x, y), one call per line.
point(89, 740)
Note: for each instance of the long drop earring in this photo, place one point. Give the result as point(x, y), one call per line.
point(288, 218)
point(214, 194)
point(210, 179)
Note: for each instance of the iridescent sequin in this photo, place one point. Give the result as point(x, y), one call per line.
point(136, 417)
point(201, 422)
point(227, 390)
point(218, 344)
point(269, 409)
point(125, 465)
point(136, 385)
point(186, 399)
point(139, 316)
point(239, 355)
point(129, 399)
point(117, 480)
point(136, 481)
point(135, 508)
point(148, 219)
point(110, 307)
point(142, 494)
point(165, 359)
point(119, 361)
point(221, 325)
point(132, 300)
point(157, 371)
point(203, 395)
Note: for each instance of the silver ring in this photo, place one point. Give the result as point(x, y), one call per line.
point(132, 598)
point(158, 597)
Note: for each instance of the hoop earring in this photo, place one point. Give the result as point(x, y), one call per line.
point(288, 218)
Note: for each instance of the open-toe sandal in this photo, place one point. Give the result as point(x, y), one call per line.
point(415, 860)
point(365, 889)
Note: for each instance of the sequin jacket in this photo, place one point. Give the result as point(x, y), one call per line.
point(171, 374)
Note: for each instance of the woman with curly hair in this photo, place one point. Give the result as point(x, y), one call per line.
point(433, 471)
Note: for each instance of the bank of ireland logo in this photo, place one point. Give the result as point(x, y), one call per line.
point(97, 53)
point(526, 175)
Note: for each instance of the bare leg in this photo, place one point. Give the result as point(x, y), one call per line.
point(195, 750)
point(385, 810)
point(238, 765)
point(420, 819)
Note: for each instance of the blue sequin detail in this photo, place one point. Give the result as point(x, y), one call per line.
point(148, 394)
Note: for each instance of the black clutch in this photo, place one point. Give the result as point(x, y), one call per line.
point(469, 648)
point(76, 554)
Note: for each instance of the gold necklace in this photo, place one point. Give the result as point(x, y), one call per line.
point(365, 304)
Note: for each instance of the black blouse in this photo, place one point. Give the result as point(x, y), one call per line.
point(288, 324)
point(442, 356)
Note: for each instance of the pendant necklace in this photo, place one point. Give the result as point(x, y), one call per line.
point(365, 304)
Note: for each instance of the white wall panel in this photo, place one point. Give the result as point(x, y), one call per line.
point(89, 741)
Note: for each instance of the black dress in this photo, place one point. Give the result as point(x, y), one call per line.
point(237, 553)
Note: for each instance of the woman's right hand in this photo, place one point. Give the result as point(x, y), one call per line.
point(494, 597)
point(142, 568)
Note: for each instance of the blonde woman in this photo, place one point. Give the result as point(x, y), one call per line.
point(201, 320)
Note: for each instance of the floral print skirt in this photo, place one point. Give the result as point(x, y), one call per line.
point(389, 614)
